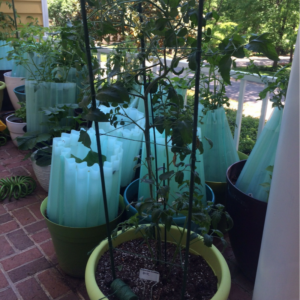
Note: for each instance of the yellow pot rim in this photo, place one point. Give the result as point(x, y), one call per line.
point(211, 254)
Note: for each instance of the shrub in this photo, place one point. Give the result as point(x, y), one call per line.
point(248, 130)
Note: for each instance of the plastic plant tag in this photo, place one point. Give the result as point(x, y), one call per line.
point(149, 275)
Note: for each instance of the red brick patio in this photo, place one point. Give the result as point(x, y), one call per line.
point(28, 264)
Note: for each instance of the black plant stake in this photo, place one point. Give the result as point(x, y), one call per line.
point(193, 154)
point(91, 79)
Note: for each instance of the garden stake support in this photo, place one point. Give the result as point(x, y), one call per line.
point(193, 154)
point(92, 88)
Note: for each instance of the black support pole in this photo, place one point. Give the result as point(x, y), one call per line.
point(92, 87)
point(193, 154)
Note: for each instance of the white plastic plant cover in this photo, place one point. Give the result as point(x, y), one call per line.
point(144, 190)
point(75, 191)
point(4, 63)
point(43, 95)
point(254, 174)
point(130, 135)
point(222, 154)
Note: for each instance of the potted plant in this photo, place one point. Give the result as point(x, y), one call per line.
point(248, 184)
point(170, 118)
point(158, 29)
point(16, 123)
point(72, 209)
point(60, 120)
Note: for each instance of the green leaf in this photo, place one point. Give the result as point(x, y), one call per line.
point(215, 218)
point(263, 45)
point(167, 220)
point(182, 32)
point(179, 176)
point(156, 215)
point(166, 175)
point(224, 68)
point(208, 240)
point(114, 93)
point(91, 158)
point(192, 61)
point(270, 169)
point(159, 123)
point(174, 3)
point(160, 24)
point(209, 142)
point(85, 139)
point(212, 14)
point(200, 146)
point(96, 115)
point(193, 236)
point(197, 178)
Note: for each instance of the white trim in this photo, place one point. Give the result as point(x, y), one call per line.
point(45, 13)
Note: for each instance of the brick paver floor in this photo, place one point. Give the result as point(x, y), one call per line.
point(28, 263)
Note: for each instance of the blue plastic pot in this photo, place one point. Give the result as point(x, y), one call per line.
point(131, 192)
point(20, 93)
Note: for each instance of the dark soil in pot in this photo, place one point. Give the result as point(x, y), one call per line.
point(248, 215)
point(201, 282)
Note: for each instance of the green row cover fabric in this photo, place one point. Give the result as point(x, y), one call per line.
point(223, 153)
point(77, 77)
point(131, 137)
point(263, 155)
point(19, 70)
point(42, 95)
point(75, 191)
point(4, 63)
point(144, 190)
point(141, 105)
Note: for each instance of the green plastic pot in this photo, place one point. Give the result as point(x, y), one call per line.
point(74, 245)
point(220, 188)
point(211, 254)
point(2, 87)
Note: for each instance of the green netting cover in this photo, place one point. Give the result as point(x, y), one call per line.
point(77, 77)
point(19, 70)
point(223, 153)
point(4, 63)
point(75, 191)
point(42, 95)
point(141, 105)
point(263, 155)
point(144, 190)
point(129, 135)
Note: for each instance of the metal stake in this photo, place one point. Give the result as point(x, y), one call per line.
point(92, 87)
point(193, 154)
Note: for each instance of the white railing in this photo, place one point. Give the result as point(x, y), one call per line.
point(234, 74)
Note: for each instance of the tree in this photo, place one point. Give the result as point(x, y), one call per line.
point(278, 17)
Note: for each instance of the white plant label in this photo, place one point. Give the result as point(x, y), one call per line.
point(149, 275)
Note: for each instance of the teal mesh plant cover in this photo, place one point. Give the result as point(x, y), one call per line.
point(130, 135)
point(32, 66)
point(75, 192)
point(4, 63)
point(254, 173)
point(141, 105)
point(18, 70)
point(223, 153)
point(77, 77)
point(41, 95)
point(144, 190)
